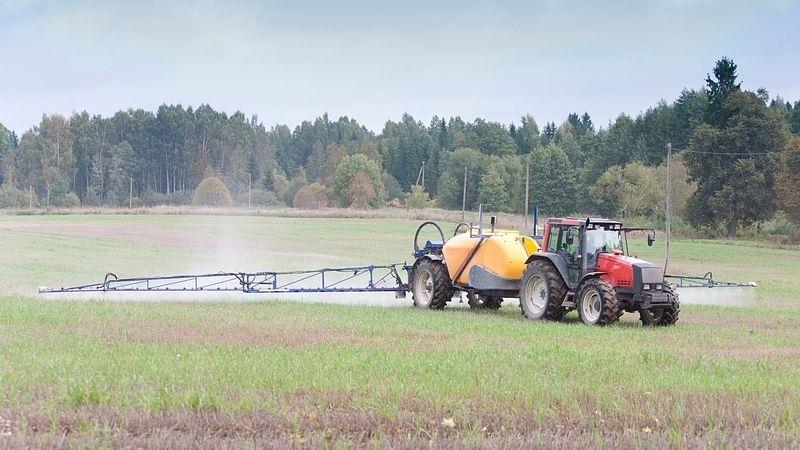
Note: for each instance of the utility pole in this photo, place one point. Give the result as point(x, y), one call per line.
point(423, 175)
point(249, 190)
point(464, 195)
point(130, 195)
point(527, 184)
point(30, 197)
point(668, 196)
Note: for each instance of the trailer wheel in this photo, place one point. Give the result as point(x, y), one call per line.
point(542, 291)
point(597, 302)
point(662, 316)
point(478, 301)
point(431, 287)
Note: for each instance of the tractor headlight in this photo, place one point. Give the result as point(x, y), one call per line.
point(658, 287)
point(646, 287)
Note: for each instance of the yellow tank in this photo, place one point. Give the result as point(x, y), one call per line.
point(497, 264)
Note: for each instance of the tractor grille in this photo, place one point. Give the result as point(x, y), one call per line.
point(646, 273)
point(652, 275)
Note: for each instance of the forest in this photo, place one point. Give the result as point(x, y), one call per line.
point(736, 160)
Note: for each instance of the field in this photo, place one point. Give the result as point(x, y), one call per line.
point(282, 373)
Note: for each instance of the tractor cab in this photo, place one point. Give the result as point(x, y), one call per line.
point(581, 242)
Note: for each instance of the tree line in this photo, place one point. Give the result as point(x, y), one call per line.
point(734, 159)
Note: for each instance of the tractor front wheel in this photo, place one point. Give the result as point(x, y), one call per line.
point(479, 301)
point(431, 286)
point(597, 302)
point(661, 316)
point(542, 291)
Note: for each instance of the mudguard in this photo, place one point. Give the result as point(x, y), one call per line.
point(589, 275)
point(432, 257)
point(557, 260)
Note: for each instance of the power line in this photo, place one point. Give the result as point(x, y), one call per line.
point(729, 153)
point(700, 152)
point(428, 169)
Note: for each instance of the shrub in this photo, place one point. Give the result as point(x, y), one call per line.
point(11, 197)
point(212, 192)
point(289, 188)
point(418, 198)
point(263, 198)
point(313, 196)
point(67, 200)
point(150, 198)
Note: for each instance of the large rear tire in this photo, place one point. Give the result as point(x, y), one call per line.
point(479, 301)
point(661, 316)
point(431, 286)
point(597, 302)
point(542, 291)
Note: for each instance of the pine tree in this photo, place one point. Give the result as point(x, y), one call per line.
point(719, 87)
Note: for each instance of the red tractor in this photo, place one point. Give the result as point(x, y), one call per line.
point(582, 265)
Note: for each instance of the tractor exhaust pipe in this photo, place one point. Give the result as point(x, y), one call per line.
point(480, 219)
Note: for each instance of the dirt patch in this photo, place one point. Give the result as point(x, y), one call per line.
point(320, 419)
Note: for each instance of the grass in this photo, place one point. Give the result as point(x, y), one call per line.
point(275, 373)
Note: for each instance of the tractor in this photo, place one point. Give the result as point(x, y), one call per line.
point(580, 264)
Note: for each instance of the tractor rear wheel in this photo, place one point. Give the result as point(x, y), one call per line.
point(479, 301)
point(431, 287)
point(597, 302)
point(542, 291)
point(661, 316)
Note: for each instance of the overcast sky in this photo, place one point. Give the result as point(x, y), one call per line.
point(374, 60)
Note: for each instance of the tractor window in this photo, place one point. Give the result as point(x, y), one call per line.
point(601, 241)
point(555, 238)
point(558, 241)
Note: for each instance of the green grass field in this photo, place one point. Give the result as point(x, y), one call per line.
point(277, 373)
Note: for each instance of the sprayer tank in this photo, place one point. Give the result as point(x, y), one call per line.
point(497, 260)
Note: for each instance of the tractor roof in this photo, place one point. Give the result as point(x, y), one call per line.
point(603, 223)
point(590, 222)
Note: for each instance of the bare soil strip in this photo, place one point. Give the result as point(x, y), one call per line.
point(325, 418)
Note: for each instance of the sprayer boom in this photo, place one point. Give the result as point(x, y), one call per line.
point(374, 278)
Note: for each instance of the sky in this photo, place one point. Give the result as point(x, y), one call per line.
point(375, 60)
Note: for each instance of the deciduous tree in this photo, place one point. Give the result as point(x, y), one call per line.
point(492, 192)
point(553, 184)
point(788, 180)
point(343, 187)
point(734, 164)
